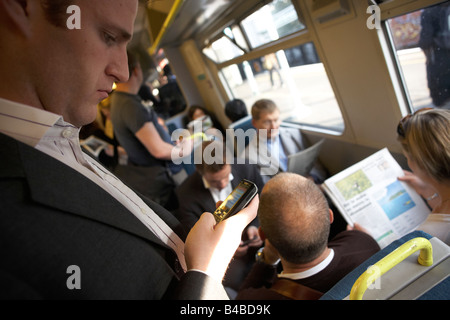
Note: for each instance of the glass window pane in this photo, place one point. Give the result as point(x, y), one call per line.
point(273, 21)
point(239, 37)
point(422, 44)
point(295, 80)
point(222, 50)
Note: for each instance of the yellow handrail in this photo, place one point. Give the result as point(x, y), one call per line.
point(390, 261)
point(172, 14)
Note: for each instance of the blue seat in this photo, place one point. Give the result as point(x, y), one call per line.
point(177, 121)
point(244, 123)
point(342, 289)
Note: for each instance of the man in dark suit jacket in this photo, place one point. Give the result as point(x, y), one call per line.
point(195, 195)
point(69, 229)
point(48, 225)
point(214, 182)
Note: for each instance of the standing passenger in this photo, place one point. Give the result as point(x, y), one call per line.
point(147, 143)
point(68, 228)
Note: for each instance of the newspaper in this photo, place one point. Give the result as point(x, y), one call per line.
point(369, 193)
point(94, 145)
point(302, 162)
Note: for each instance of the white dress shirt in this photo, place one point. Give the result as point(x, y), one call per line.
point(50, 134)
point(310, 272)
point(219, 195)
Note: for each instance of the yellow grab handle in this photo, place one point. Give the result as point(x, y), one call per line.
point(390, 261)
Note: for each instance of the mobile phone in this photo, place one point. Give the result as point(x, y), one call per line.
point(236, 200)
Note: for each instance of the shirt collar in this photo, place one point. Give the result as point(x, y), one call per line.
point(310, 272)
point(25, 123)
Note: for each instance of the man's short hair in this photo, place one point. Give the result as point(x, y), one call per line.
point(215, 166)
point(295, 217)
point(261, 106)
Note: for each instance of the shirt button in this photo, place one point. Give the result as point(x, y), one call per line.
point(67, 133)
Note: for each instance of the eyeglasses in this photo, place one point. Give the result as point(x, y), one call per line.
point(402, 125)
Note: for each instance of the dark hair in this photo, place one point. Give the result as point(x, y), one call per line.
point(214, 167)
point(236, 109)
point(133, 62)
point(193, 108)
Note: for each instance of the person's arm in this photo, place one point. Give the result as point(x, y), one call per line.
point(209, 246)
point(150, 138)
point(264, 270)
point(422, 188)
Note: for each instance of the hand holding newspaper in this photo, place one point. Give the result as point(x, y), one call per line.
point(369, 193)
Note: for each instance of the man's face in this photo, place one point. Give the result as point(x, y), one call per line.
point(75, 69)
point(268, 121)
point(220, 179)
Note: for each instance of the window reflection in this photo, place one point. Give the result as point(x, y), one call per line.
point(295, 79)
point(422, 43)
point(271, 22)
point(222, 50)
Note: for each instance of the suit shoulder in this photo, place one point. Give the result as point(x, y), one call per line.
point(193, 182)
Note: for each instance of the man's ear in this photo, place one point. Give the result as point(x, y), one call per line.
point(17, 14)
point(135, 71)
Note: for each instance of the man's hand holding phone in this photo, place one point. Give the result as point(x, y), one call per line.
point(210, 245)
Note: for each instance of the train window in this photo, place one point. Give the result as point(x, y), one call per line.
point(295, 80)
point(273, 21)
point(422, 44)
point(222, 50)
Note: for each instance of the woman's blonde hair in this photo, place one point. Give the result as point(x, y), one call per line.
point(425, 137)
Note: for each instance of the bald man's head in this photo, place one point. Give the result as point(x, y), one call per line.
point(295, 217)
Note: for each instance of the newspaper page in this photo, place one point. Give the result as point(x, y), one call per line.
point(369, 193)
point(94, 145)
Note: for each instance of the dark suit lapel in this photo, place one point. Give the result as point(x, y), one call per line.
point(56, 185)
point(205, 198)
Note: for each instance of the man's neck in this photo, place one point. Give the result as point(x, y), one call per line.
point(296, 268)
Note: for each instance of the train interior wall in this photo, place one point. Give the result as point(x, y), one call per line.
point(363, 77)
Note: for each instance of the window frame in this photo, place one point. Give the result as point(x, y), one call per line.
point(298, 38)
point(390, 10)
